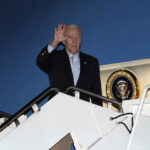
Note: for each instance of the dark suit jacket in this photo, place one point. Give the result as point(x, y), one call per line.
point(57, 66)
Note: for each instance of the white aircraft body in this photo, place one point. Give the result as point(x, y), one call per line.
point(66, 122)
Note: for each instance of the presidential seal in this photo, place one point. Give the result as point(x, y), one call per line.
point(122, 85)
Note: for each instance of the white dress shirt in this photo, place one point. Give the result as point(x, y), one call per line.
point(74, 63)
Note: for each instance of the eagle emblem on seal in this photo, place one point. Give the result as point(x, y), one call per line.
point(122, 85)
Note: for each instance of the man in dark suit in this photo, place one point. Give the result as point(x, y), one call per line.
point(70, 67)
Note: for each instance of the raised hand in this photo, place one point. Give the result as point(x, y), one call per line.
point(59, 35)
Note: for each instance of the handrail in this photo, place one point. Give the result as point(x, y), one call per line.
point(5, 115)
point(95, 95)
point(27, 107)
point(138, 114)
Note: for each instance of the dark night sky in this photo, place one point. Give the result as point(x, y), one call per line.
point(113, 31)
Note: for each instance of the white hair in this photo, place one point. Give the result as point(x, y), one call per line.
point(74, 26)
